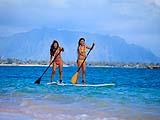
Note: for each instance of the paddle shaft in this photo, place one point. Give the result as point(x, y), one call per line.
point(85, 57)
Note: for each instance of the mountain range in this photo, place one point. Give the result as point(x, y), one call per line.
point(35, 45)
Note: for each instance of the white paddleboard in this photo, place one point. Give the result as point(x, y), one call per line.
point(52, 83)
point(64, 84)
point(94, 85)
point(60, 84)
point(81, 85)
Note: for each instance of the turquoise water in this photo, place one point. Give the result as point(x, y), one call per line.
point(136, 95)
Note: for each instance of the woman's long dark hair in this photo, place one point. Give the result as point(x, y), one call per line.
point(53, 49)
point(79, 43)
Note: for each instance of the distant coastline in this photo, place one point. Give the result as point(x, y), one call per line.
point(21, 65)
point(27, 65)
point(17, 62)
point(90, 65)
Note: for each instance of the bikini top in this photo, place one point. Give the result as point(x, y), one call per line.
point(56, 52)
point(83, 49)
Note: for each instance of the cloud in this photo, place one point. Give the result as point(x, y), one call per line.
point(155, 2)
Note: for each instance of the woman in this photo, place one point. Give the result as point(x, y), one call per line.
point(54, 50)
point(81, 50)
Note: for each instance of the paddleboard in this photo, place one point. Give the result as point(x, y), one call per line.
point(81, 85)
point(60, 84)
point(52, 83)
point(94, 85)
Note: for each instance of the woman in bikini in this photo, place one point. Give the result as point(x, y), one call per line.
point(81, 50)
point(54, 50)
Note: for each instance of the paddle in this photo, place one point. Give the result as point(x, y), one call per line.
point(39, 79)
point(75, 76)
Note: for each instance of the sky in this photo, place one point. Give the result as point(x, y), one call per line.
point(137, 21)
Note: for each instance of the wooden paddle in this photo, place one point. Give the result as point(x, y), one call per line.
point(75, 76)
point(39, 79)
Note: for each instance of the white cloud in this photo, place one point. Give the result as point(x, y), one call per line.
point(155, 2)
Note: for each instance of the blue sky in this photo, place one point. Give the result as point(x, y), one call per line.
point(137, 21)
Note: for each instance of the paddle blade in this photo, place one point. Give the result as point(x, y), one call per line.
point(74, 78)
point(37, 81)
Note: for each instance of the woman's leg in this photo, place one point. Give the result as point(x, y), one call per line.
point(84, 73)
point(60, 72)
point(78, 64)
point(53, 71)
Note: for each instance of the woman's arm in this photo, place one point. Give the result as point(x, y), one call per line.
point(88, 47)
point(62, 49)
point(57, 52)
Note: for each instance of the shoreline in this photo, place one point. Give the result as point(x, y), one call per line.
point(95, 66)
point(22, 65)
point(28, 65)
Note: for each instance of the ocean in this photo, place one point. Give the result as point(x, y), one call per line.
point(135, 96)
